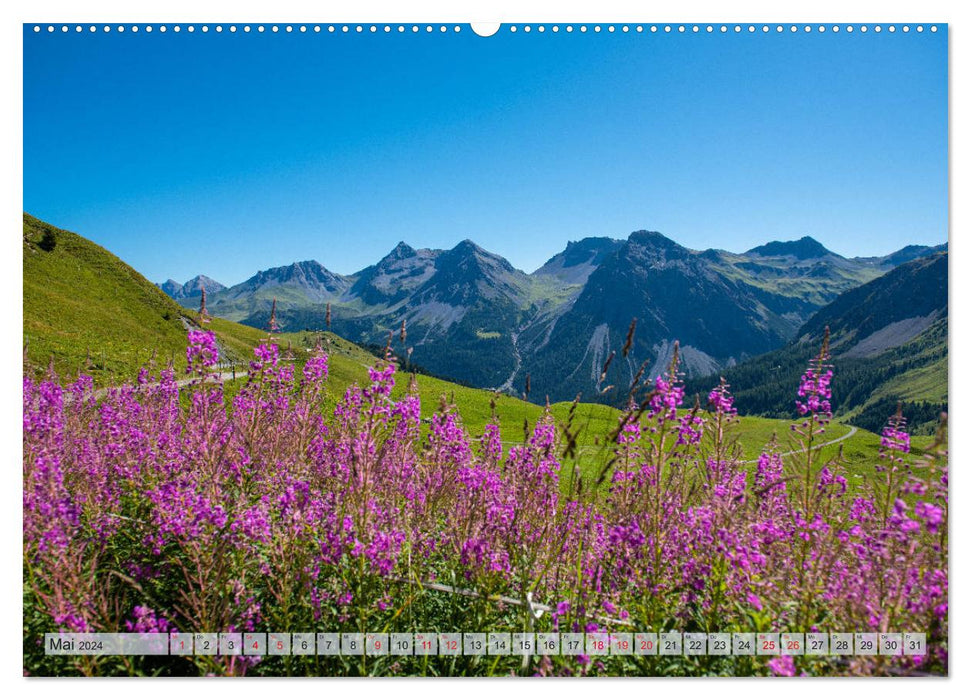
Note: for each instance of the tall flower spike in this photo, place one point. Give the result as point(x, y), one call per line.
point(814, 387)
point(203, 311)
point(273, 327)
point(894, 436)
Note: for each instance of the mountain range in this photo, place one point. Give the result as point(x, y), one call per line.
point(470, 316)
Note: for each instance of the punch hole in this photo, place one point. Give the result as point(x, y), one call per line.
point(485, 28)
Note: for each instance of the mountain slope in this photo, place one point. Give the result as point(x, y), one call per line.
point(395, 277)
point(460, 306)
point(576, 263)
point(721, 307)
point(889, 345)
point(93, 313)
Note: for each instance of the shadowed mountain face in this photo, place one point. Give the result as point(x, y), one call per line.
point(888, 340)
point(470, 316)
point(575, 264)
point(677, 295)
point(915, 290)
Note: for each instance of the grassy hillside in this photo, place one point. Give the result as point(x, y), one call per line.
point(349, 363)
point(94, 314)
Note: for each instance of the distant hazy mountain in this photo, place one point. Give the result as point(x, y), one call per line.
point(472, 317)
point(904, 255)
point(192, 288)
point(806, 248)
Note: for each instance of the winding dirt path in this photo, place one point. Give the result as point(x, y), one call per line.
point(852, 431)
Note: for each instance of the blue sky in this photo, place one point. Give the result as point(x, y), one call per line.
point(224, 154)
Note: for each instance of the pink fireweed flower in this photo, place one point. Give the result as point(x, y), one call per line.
point(931, 514)
point(782, 666)
point(814, 388)
point(690, 428)
point(721, 401)
point(266, 356)
point(669, 394)
point(147, 621)
point(315, 370)
point(815, 392)
point(894, 437)
point(201, 352)
point(630, 433)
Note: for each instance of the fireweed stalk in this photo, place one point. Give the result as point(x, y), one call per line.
point(272, 512)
